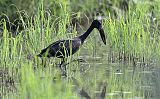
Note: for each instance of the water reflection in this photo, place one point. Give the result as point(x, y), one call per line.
point(139, 81)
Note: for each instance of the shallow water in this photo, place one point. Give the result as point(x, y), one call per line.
point(124, 79)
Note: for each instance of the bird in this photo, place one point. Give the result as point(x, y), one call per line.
point(64, 48)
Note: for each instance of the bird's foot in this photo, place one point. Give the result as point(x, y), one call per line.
point(78, 60)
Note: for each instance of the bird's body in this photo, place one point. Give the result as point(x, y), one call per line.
point(64, 48)
point(61, 48)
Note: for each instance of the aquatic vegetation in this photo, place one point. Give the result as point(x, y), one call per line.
point(127, 67)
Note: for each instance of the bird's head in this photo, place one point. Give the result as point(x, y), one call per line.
point(98, 25)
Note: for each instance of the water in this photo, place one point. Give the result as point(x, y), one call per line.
point(130, 80)
point(123, 79)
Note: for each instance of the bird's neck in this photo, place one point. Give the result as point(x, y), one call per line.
point(85, 35)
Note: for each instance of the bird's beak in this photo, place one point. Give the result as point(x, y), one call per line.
point(101, 31)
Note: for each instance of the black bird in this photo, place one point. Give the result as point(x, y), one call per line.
point(64, 48)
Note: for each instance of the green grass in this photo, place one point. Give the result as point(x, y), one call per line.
point(132, 48)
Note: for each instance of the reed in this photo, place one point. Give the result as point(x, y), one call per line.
point(125, 67)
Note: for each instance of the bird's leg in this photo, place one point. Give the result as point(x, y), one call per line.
point(78, 60)
point(62, 62)
point(65, 69)
point(63, 65)
point(61, 68)
point(64, 72)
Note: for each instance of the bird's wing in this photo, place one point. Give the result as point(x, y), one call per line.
point(55, 43)
point(52, 48)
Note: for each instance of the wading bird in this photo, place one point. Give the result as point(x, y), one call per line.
point(64, 48)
